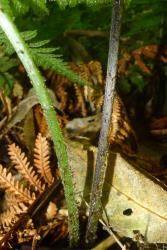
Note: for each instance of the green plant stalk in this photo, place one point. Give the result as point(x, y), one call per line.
point(37, 81)
point(103, 147)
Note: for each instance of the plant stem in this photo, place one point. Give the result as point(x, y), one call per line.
point(37, 81)
point(103, 147)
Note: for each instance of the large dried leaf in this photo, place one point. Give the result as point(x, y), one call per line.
point(136, 203)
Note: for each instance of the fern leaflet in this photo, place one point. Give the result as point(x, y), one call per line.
point(22, 165)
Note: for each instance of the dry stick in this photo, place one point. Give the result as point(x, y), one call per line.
point(115, 237)
point(37, 81)
point(103, 147)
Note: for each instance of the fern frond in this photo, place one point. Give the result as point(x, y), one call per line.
point(13, 204)
point(21, 7)
point(43, 56)
point(80, 100)
point(13, 207)
point(28, 34)
point(40, 44)
point(8, 218)
point(73, 3)
point(9, 183)
point(50, 61)
point(11, 200)
point(7, 63)
point(39, 7)
point(44, 51)
point(6, 45)
point(41, 159)
point(6, 7)
point(21, 163)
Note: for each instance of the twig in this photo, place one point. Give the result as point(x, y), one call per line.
point(113, 235)
point(100, 169)
point(37, 81)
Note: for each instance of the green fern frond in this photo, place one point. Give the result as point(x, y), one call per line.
point(6, 45)
point(45, 51)
point(21, 7)
point(6, 82)
point(7, 63)
point(144, 22)
point(7, 7)
point(39, 7)
point(73, 3)
point(49, 61)
point(39, 44)
point(6, 78)
point(96, 2)
point(29, 34)
point(37, 48)
point(43, 56)
point(64, 3)
point(148, 17)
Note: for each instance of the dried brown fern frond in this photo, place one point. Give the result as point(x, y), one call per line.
point(83, 98)
point(83, 71)
point(60, 88)
point(95, 68)
point(41, 159)
point(7, 219)
point(21, 163)
point(20, 202)
point(95, 96)
point(10, 216)
point(9, 183)
point(121, 131)
point(80, 103)
point(12, 200)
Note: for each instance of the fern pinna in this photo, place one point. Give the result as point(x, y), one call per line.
point(19, 195)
